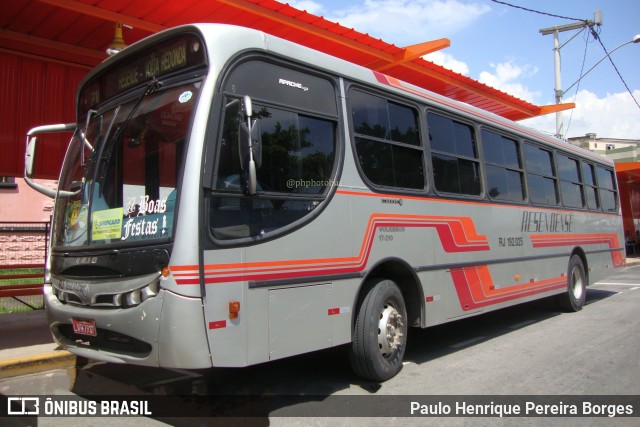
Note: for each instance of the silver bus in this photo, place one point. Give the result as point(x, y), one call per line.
point(230, 198)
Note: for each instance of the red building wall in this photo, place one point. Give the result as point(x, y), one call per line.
point(33, 93)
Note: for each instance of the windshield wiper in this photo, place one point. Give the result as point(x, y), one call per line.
point(83, 135)
point(152, 87)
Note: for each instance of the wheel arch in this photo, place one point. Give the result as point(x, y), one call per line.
point(405, 277)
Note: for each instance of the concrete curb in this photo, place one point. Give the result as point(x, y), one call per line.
point(32, 364)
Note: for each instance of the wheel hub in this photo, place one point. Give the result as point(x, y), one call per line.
point(390, 330)
point(576, 283)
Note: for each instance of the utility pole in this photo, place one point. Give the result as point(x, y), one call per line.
point(597, 20)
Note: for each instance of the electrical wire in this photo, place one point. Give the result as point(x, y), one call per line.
point(597, 37)
point(594, 31)
point(539, 12)
point(584, 60)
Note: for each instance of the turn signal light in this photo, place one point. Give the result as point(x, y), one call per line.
point(164, 271)
point(234, 309)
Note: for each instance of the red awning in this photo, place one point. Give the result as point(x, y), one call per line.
point(78, 32)
point(628, 172)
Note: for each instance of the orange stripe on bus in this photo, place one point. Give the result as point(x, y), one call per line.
point(475, 287)
point(457, 234)
point(568, 239)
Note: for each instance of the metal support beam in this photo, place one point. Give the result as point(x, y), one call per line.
point(93, 56)
point(597, 20)
point(411, 52)
point(105, 14)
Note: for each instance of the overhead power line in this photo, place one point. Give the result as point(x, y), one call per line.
point(594, 27)
point(608, 55)
point(584, 59)
point(537, 11)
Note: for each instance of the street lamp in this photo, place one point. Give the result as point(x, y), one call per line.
point(597, 20)
point(635, 39)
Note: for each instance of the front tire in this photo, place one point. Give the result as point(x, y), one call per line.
point(380, 332)
point(575, 297)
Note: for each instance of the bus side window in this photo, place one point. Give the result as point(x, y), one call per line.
point(607, 191)
point(541, 176)
point(570, 182)
point(590, 186)
point(454, 154)
point(387, 141)
point(298, 160)
point(503, 167)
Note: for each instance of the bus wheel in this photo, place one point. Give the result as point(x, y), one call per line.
point(380, 332)
point(574, 298)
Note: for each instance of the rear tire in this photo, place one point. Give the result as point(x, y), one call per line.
point(380, 331)
point(575, 297)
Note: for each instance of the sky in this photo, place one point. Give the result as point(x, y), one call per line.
point(501, 46)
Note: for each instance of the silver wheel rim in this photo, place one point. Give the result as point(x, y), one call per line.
point(576, 283)
point(390, 330)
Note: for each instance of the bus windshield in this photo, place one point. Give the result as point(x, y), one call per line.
point(122, 167)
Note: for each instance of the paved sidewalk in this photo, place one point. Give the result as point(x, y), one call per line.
point(26, 345)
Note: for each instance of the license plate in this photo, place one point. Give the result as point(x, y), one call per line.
point(84, 327)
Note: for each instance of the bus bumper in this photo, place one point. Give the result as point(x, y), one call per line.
point(154, 333)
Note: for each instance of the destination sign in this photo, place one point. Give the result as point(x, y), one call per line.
point(183, 52)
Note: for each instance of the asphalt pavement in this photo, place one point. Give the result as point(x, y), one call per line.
point(26, 344)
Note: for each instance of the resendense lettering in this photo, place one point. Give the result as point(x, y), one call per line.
point(535, 222)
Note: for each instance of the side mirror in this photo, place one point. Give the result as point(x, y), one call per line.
point(249, 147)
point(248, 106)
point(29, 156)
point(256, 143)
point(250, 143)
point(31, 151)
